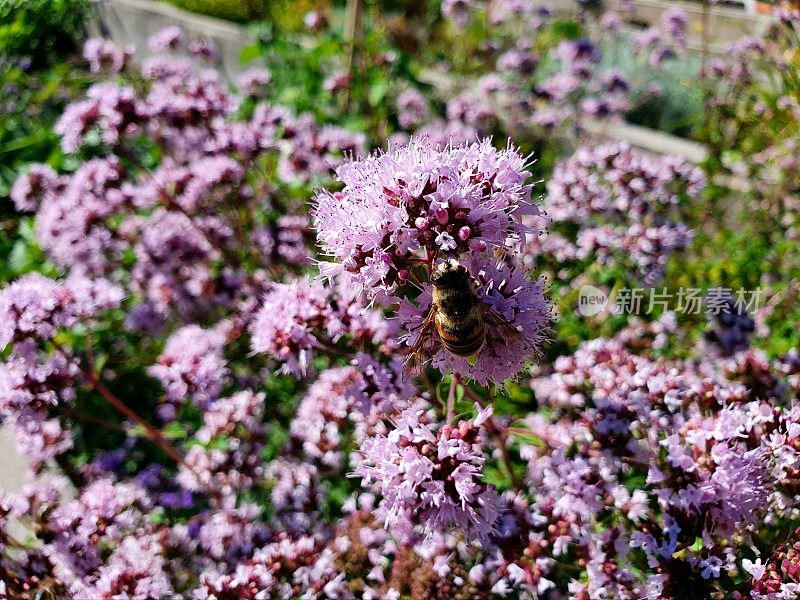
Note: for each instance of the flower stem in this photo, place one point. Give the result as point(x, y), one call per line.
point(451, 397)
point(331, 350)
point(90, 419)
point(469, 393)
point(154, 434)
point(501, 436)
point(353, 34)
point(502, 439)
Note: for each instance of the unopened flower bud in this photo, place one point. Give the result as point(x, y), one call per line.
point(441, 215)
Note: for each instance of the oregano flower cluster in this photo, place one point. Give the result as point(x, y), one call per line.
point(402, 213)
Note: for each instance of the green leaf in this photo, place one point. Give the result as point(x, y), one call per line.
point(139, 431)
point(100, 361)
point(378, 92)
point(156, 517)
point(249, 53)
point(529, 438)
point(635, 482)
point(496, 477)
point(20, 260)
point(175, 431)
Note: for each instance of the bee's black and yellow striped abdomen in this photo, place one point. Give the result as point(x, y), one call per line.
point(462, 340)
point(459, 321)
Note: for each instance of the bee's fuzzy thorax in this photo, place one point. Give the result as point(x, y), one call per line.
point(452, 275)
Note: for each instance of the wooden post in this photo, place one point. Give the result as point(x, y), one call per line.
point(354, 36)
point(704, 52)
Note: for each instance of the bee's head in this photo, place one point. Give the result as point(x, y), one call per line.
point(450, 274)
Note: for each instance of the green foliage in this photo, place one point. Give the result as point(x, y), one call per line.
point(287, 14)
point(678, 108)
point(559, 30)
point(34, 36)
point(34, 101)
point(40, 29)
point(300, 66)
point(752, 131)
point(233, 10)
point(37, 37)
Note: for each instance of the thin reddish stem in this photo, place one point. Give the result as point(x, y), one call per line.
point(154, 434)
point(429, 262)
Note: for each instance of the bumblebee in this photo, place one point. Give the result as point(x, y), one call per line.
point(457, 318)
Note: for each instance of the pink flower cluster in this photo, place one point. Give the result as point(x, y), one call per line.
point(192, 365)
point(298, 319)
point(418, 205)
point(712, 449)
point(628, 208)
point(420, 200)
point(173, 217)
point(431, 479)
point(231, 438)
point(37, 373)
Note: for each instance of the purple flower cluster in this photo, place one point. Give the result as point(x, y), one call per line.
point(70, 222)
point(628, 207)
point(457, 11)
point(779, 577)
point(431, 479)
point(297, 320)
point(34, 306)
point(227, 459)
point(527, 96)
point(112, 110)
point(174, 218)
point(253, 81)
point(412, 109)
point(417, 202)
point(192, 365)
point(579, 88)
point(415, 206)
point(32, 378)
point(347, 401)
point(711, 460)
point(322, 414)
point(104, 56)
point(168, 38)
point(675, 22)
point(313, 572)
point(30, 189)
point(315, 21)
point(136, 568)
point(310, 151)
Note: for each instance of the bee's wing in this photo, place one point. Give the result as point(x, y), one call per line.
point(425, 345)
point(498, 321)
